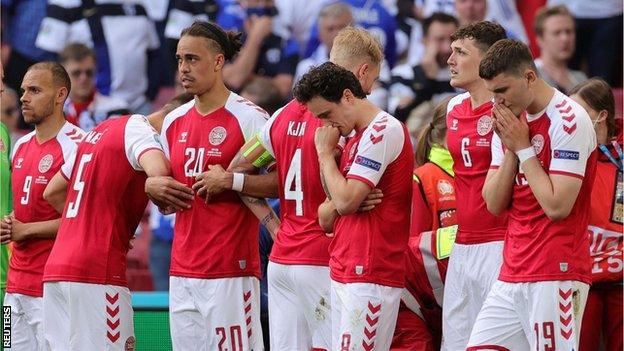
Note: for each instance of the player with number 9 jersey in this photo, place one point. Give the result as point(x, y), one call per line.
point(86, 300)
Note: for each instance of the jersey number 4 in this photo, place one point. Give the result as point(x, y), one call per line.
point(294, 176)
point(79, 185)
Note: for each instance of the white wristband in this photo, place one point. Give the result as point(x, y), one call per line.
point(238, 180)
point(525, 154)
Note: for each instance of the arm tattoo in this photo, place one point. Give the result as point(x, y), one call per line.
point(324, 184)
point(268, 218)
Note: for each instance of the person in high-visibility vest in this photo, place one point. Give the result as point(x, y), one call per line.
point(419, 324)
point(603, 312)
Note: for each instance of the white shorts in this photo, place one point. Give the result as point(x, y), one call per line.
point(472, 270)
point(83, 316)
point(215, 314)
point(299, 307)
point(363, 315)
point(531, 316)
point(26, 321)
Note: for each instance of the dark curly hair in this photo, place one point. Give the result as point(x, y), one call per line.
point(506, 56)
point(484, 34)
point(227, 42)
point(329, 82)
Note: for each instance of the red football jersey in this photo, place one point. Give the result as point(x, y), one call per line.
point(468, 137)
point(536, 248)
point(605, 223)
point(369, 247)
point(218, 239)
point(105, 202)
point(33, 165)
point(289, 138)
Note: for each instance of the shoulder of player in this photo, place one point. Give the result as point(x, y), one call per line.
point(242, 108)
point(23, 140)
point(69, 137)
point(567, 113)
point(385, 124)
point(457, 100)
point(175, 114)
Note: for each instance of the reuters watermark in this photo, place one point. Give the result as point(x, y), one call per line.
point(6, 326)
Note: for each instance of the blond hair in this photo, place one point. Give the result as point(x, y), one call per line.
point(354, 45)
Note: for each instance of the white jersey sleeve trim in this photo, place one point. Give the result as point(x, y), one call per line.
point(139, 136)
point(380, 145)
point(572, 136)
point(456, 100)
point(250, 117)
point(169, 119)
point(69, 137)
point(497, 151)
point(265, 133)
point(23, 140)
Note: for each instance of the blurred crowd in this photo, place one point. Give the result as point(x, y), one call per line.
point(120, 54)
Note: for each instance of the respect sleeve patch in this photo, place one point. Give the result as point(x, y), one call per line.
point(368, 163)
point(566, 155)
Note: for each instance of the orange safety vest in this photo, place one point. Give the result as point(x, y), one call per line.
point(438, 190)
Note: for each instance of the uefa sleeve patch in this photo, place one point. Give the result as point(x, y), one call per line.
point(368, 163)
point(566, 154)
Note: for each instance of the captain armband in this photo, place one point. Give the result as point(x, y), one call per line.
point(255, 153)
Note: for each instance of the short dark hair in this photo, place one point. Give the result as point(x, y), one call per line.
point(598, 95)
point(438, 17)
point(506, 56)
point(484, 34)
point(226, 42)
point(177, 101)
point(329, 82)
point(59, 74)
point(75, 52)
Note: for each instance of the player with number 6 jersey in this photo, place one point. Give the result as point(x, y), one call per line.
point(477, 252)
point(86, 300)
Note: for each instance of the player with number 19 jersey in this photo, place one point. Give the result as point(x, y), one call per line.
point(469, 135)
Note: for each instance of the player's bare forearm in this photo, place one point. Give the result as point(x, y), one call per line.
point(499, 183)
point(44, 229)
point(263, 212)
point(327, 216)
point(55, 192)
point(346, 195)
point(556, 194)
point(261, 185)
point(155, 164)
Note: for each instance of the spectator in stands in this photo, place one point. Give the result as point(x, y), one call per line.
point(265, 52)
point(554, 28)
point(332, 19)
point(20, 25)
point(262, 92)
point(11, 113)
point(85, 107)
point(599, 37)
point(298, 18)
point(430, 78)
point(123, 37)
